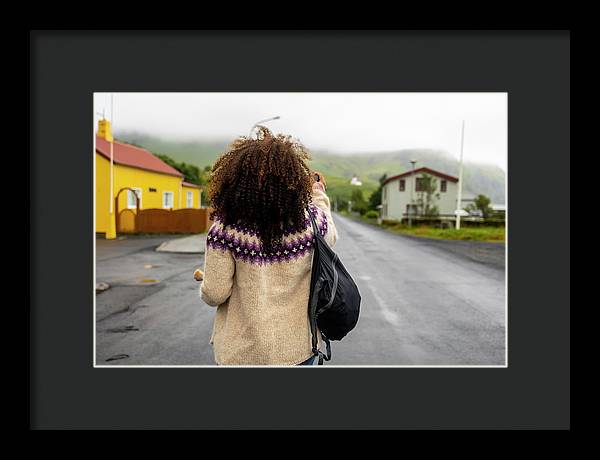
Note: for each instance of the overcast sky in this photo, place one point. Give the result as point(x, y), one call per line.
point(340, 122)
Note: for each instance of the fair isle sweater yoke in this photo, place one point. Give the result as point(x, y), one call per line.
point(262, 298)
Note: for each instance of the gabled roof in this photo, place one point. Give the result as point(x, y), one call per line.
point(422, 170)
point(136, 157)
point(189, 184)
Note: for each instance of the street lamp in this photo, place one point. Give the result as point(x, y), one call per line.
point(262, 121)
point(460, 177)
point(412, 186)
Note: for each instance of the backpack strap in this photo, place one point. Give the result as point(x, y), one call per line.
point(314, 297)
point(313, 319)
point(327, 355)
point(313, 307)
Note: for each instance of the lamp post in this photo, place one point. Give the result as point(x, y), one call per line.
point(460, 180)
point(412, 186)
point(262, 121)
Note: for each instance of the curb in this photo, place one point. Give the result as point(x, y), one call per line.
point(161, 247)
point(186, 245)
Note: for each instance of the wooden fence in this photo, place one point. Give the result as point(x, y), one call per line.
point(164, 221)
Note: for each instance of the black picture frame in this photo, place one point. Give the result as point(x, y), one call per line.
point(66, 392)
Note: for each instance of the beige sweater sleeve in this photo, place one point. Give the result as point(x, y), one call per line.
point(219, 269)
point(321, 200)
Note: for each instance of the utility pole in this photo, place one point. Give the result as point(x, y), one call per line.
point(112, 116)
point(111, 232)
point(413, 185)
point(460, 177)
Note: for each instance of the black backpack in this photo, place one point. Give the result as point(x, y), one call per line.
point(334, 300)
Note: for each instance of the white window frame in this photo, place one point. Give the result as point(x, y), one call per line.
point(189, 199)
point(164, 194)
point(138, 191)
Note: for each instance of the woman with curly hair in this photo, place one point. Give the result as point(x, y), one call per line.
point(258, 250)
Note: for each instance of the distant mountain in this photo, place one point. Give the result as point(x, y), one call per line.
point(199, 153)
point(368, 167)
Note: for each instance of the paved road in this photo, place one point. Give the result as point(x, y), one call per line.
point(108, 249)
point(423, 303)
point(152, 312)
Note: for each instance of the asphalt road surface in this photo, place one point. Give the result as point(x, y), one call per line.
point(423, 302)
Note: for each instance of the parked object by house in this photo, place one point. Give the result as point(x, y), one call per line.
point(141, 182)
point(396, 194)
point(499, 208)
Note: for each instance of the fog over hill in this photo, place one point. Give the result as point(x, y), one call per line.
point(369, 167)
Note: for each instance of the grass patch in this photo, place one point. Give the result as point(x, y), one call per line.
point(487, 234)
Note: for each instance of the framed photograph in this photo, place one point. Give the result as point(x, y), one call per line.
point(414, 206)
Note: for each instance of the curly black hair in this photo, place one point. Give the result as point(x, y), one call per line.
point(262, 184)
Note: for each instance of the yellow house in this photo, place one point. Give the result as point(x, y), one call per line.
point(190, 195)
point(135, 170)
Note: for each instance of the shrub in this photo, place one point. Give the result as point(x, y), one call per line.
point(371, 214)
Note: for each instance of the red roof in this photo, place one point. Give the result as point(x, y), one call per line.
point(422, 170)
point(189, 184)
point(136, 157)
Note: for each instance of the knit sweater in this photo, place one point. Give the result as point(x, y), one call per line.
point(262, 299)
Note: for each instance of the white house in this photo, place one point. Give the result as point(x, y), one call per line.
point(396, 194)
point(355, 181)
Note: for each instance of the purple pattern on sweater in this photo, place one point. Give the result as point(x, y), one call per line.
point(251, 252)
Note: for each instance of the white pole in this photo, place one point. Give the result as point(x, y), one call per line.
point(112, 116)
point(460, 176)
point(413, 185)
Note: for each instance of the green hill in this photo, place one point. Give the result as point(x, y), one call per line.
point(478, 178)
point(339, 169)
point(197, 153)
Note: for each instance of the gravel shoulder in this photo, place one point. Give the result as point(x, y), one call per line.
point(492, 254)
